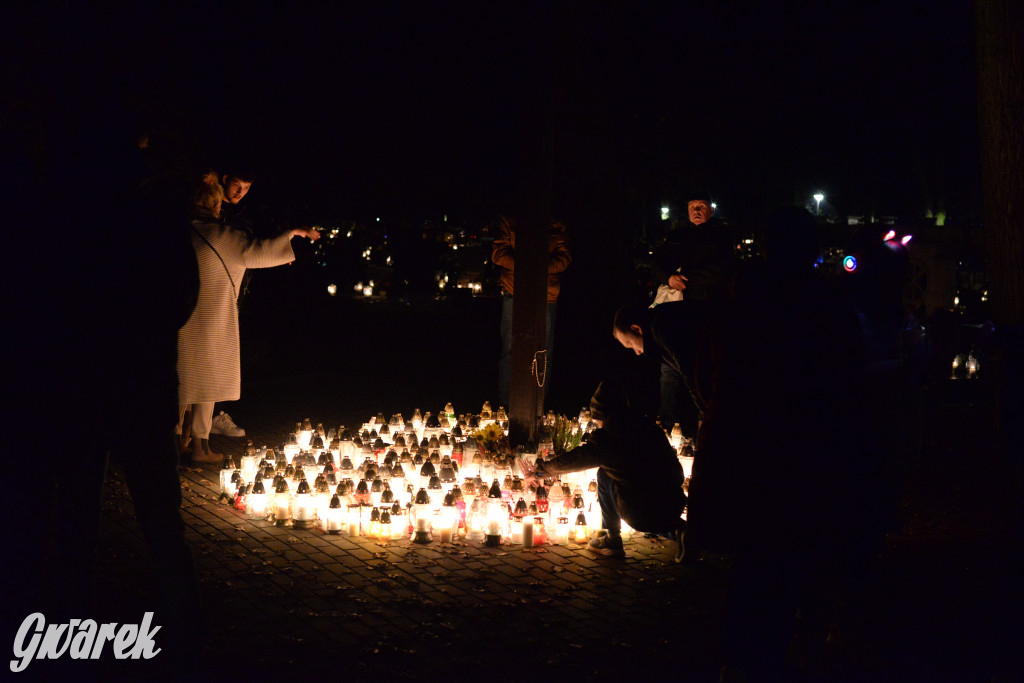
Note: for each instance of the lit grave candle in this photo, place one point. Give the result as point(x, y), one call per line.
point(257, 501)
point(333, 520)
point(305, 435)
point(374, 523)
point(422, 514)
point(581, 533)
point(527, 531)
point(282, 505)
point(291, 449)
point(227, 470)
point(399, 522)
point(562, 531)
point(497, 515)
point(304, 515)
point(448, 518)
point(352, 519)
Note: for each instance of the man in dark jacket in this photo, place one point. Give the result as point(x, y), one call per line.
point(697, 257)
point(639, 478)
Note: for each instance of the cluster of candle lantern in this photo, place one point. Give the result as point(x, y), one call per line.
point(397, 479)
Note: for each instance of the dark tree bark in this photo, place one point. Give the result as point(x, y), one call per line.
point(533, 218)
point(1000, 39)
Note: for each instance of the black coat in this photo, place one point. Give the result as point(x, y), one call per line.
point(703, 254)
point(636, 455)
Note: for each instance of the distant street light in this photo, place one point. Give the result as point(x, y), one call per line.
point(818, 197)
point(664, 213)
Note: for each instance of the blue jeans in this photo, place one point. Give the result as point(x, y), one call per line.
point(610, 518)
point(505, 358)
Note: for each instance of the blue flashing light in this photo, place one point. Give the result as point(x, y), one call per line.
point(850, 263)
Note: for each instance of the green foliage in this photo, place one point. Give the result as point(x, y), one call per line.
point(565, 434)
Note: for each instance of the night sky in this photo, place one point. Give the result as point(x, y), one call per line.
point(416, 110)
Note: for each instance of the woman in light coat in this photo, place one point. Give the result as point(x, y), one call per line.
point(209, 367)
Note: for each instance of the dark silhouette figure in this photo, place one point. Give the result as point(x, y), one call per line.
point(774, 475)
point(105, 289)
point(676, 336)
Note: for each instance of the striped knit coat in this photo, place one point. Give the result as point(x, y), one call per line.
point(209, 367)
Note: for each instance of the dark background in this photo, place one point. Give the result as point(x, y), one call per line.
point(412, 112)
point(411, 109)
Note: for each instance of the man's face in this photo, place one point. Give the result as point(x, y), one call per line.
point(634, 339)
point(700, 211)
point(235, 189)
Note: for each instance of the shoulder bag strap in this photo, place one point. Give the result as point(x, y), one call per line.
point(228, 272)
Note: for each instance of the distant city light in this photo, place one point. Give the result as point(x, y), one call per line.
point(332, 289)
point(378, 220)
point(889, 235)
point(714, 206)
point(664, 213)
point(348, 234)
point(818, 196)
point(850, 263)
point(906, 239)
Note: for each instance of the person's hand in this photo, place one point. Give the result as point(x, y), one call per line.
point(530, 473)
point(312, 233)
point(677, 282)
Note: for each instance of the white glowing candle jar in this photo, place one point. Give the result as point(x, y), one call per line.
point(562, 530)
point(352, 520)
point(517, 529)
point(322, 500)
point(448, 520)
point(334, 520)
point(497, 520)
point(580, 530)
point(304, 507)
point(256, 503)
point(304, 436)
point(528, 528)
point(250, 465)
point(291, 449)
point(282, 505)
point(686, 462)
point(312, 471)
point(423, 511)
point(399, 524)
point(225, 480)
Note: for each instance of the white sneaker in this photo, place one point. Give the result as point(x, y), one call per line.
point(223, 424)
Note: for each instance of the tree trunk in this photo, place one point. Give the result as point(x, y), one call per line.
point(1000, 39)
point(533, 220)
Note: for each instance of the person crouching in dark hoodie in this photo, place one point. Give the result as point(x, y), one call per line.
point(639, 478)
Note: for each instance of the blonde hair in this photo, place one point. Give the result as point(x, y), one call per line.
point(209, 194)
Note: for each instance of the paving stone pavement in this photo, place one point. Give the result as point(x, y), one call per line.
point(307, 605)
point(284, 600)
